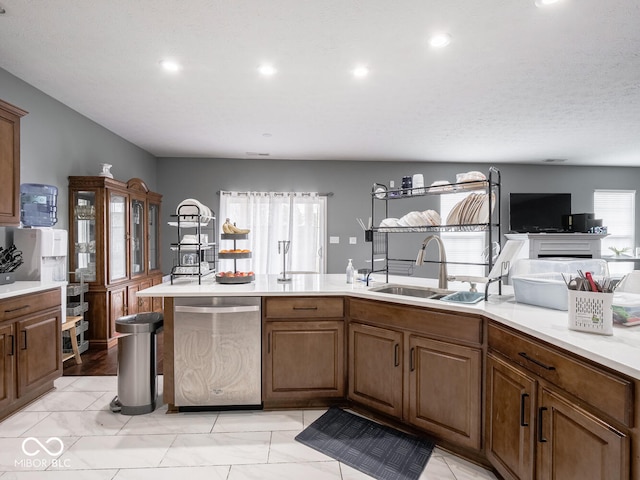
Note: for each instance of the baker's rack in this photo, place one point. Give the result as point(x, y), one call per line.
point(189, 218)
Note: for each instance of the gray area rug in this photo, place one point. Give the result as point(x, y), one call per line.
point(377, 450)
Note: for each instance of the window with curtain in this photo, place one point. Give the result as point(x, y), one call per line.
point(616, 208)
point(297, 217)
point(462, 246)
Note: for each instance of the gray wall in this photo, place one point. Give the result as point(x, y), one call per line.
point(57, 142)
point(351, 181)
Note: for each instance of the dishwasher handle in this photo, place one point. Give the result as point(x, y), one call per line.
point(211, 309)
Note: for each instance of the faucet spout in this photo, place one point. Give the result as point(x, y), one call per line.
point(442, 275)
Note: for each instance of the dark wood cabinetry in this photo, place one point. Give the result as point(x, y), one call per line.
point(10, 164)
point(376, 359)
point(304, 351)
point(445, 390)
point(30, 331)
point(7, 365)
point(115, 243)
point(537, 429)
point(418, 365)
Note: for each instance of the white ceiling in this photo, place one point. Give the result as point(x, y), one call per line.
point(517, 84)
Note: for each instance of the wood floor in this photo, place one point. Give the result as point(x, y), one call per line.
point(103, 362)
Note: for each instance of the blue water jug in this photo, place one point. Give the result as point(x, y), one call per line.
point(38, 205)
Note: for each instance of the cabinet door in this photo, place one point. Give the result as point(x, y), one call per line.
point(118, 253)
point(157, 303)
point(375, 368)
point(445, 390)
point(154, 236)
point(137, 304)
point(7, 365)
point(510, 419)
point(84, 247)
point(10, 164)
point(304, 360)
point(117, 307)
point(39, 350)
point(575, 445)
point(138, 238)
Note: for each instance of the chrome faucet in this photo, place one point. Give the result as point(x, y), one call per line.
point(442, 276)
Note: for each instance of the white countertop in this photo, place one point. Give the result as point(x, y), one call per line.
point(21, 288)
point(620, 352)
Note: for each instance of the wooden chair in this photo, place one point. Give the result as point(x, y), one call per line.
point(70, 325)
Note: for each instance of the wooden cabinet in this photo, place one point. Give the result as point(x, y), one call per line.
point(445, 390)
point(115, 243)
point(39, 350)
point(510, 413)
point(537, 428)
point(31, 347)
point(10, 164)
point(376, 359)
point(419, 365)
point(7, 365)
point(304, 351)
point(575, 445)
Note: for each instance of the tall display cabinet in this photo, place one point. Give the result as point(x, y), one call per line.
point(114, 241)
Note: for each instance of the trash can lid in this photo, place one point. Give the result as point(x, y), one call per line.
point(140, 323)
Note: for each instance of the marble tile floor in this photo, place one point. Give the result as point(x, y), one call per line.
point(97, 444)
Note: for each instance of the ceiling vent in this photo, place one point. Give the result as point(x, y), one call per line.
point(554, 160)
point(257, 154)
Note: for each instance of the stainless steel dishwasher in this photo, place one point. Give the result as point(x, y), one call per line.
point(217, 352)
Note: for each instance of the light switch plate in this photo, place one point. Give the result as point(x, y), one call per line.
point(334, 239)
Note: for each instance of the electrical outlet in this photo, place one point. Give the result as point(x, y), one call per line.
point(353, 240)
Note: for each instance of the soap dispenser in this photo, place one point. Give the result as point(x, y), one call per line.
point(350, 272)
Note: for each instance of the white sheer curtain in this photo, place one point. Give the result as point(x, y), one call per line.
point(299, 217)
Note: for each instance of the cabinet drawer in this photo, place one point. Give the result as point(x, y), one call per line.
point(433, 323)
point(23, 305)
point(605, 391)
point(304, 307)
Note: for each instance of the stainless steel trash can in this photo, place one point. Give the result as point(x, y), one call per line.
point(137, 363)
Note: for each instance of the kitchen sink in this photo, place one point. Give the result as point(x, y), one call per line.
point(409, 291)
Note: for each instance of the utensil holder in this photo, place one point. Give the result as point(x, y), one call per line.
point(591, 312)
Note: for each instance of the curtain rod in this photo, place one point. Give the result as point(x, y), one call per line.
point(325, 194)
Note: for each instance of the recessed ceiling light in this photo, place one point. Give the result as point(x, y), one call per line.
point(360, 71)
point(545, 3)
point(170, 65)
point(267, 135)
point(440, 40)
point(267, 70)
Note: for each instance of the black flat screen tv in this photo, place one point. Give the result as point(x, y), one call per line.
point(538, 212)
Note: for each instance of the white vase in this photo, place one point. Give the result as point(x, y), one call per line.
point(106, 170)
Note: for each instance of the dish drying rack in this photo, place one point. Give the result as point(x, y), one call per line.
point(378, 237)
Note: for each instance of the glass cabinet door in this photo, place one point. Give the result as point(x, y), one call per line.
point(84, 233)
point(138, 236)
point(154, 236)
point(117, 237)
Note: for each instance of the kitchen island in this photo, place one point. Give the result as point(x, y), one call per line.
point(452, 370)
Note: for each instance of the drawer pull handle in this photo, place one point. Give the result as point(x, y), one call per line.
point(523, 397)
point(12, 353)
point(24, 332)
point(537, 362)
point(305, 308)
point(269, 343)
point(396, 355)
point(541, 439)
point(16, 309)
